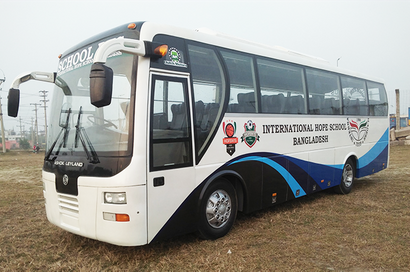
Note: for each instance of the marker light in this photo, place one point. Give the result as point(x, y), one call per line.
point(115, 198)
point(116, 217)
point(132, 26)
point(161, 50)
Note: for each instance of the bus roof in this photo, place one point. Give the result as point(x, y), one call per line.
point(150, 29)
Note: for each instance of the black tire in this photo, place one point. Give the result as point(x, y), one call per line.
point(217, 210)
point(348, 174)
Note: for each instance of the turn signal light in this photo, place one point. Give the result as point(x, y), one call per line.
point(161, 50)
point(122, 217)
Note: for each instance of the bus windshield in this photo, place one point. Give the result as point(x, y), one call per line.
point(79, 128)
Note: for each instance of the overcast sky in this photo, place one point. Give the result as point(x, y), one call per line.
point(369, 37)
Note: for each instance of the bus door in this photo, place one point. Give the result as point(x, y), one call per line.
point(171, 175)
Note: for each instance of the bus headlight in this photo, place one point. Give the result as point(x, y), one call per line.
point(115, 198)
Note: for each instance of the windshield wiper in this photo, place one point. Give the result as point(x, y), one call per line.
point(82, 135)
point(64, 142)
point(77, 130)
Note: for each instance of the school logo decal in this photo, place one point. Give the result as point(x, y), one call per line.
point(174, 58)
point(250, 136)
point(358, 130)
point(174, 55)
point(230, 141)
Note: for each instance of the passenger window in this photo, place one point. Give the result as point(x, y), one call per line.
point(282, 87)
point(170, 125)
point(209, 94)
point(377, 99)
point(324, 92)
point(354, 96)
point(242, 83)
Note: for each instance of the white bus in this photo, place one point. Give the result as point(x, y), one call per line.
point(157, 131)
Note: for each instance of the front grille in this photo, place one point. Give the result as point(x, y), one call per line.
point(68, 205)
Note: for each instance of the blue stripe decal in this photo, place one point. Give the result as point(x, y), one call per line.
point(293, 184)
point(372, 154)
point(371, 162)
point(375, 151)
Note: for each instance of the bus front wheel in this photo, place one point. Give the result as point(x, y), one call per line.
point(348, 175)
point(218, 210)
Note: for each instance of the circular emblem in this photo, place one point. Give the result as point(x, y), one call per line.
point(174, 55)
point(229, 130)
point(65, 179)
point(358, 130)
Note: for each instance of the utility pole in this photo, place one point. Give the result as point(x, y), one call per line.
point(44, 95)
point(21, 133)
point(32, 130)
point(36, 123)
point(3, 138)
point(397, 109)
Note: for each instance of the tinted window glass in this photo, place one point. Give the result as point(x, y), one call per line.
point(282, 87)
point(242, 83)
point(209, 93)
point(377, 99)
point(354, 96)
point(324, 92)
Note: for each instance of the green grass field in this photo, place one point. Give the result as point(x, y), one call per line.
point(367, 230)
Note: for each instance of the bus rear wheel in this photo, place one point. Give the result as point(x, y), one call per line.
point(218, 210)
point(348, 175)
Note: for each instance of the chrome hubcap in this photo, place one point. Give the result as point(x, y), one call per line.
point(348, 175)
point(218, 209)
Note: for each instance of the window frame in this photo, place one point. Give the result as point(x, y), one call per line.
point(187, 139)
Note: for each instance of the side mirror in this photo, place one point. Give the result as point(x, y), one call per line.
point(13, 102)
point(101, 79)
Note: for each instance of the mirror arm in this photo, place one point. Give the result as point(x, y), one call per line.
point(40, 76)
point(14, 92)
point(131, 46)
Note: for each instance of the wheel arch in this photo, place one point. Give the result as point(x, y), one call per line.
point(353, 157)
point(235, 179)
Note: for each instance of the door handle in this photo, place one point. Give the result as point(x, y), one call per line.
point(159, 181)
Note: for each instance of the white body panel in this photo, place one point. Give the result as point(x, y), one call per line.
point(83, 214)
point(151, 207)
point(334, 150)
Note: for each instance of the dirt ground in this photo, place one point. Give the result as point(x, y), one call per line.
point(367, 230)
